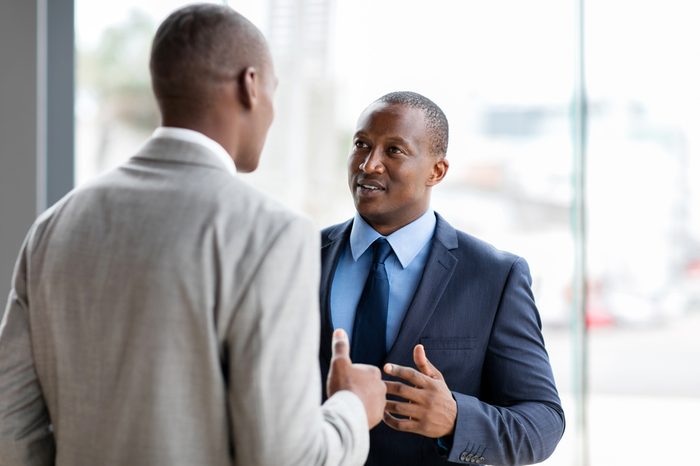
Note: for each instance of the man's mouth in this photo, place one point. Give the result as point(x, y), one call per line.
point(370, 186)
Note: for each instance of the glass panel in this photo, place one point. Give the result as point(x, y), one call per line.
point(644, 229)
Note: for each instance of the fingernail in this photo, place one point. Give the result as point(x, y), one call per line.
point(388, 368)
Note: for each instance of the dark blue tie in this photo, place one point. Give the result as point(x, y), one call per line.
point(369, 328)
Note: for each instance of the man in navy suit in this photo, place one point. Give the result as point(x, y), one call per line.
point(456, 330)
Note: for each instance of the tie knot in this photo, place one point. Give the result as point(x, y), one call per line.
point(382, 249)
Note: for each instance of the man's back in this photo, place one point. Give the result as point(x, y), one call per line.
point(167, 314)
point(153, 290)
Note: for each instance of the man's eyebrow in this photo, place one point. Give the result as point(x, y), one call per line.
point(389, 139)
point(399, 140)
point(403, 142)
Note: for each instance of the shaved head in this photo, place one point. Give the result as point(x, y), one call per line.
point(197, 50)
point(435, 119)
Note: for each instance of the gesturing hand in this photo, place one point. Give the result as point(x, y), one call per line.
point(429, 408)
point(363, 380)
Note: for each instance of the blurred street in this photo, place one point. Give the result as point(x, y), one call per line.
point(644, 392)
point(659, 360)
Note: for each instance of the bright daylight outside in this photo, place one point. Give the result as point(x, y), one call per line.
point(503, 72)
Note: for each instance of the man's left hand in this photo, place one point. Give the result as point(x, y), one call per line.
point(429, 408)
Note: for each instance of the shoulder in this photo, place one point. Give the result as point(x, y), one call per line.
point(242, 207)
point(474, 250)
point(335, 232)
point(42, 223)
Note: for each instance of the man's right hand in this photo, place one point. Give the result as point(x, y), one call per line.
point(363, 380)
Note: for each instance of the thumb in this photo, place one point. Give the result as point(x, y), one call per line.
point(423, 364)
point(341, 346)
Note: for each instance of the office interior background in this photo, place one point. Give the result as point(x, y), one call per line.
point(575, 142)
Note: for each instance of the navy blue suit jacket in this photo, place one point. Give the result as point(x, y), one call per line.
point(475, 314)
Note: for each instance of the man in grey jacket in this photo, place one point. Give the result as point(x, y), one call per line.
point(166, 313)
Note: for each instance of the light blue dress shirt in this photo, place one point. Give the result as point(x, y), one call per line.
point(411, 246)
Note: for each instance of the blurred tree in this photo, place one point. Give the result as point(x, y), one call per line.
point(115, 76)
point(117, 70)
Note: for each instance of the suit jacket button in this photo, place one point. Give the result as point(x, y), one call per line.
point(463, 457)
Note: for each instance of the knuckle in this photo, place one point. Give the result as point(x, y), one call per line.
point(339, 347)
point(337, 361)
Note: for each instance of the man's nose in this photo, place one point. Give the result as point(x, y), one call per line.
point(372, 162)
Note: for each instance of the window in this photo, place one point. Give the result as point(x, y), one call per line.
point(503, 72)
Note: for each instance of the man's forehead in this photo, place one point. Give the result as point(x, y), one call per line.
point(395, 108)
point(395, 116)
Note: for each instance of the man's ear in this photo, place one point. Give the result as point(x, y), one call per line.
point(439, 171)
point(249, 80)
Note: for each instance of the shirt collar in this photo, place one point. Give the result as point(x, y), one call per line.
point(195, 137)
point(406, 242)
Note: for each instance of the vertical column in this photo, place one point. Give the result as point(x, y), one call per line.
point(579, 331)
point(36, 118)
point(20, 109)
point(60, 98)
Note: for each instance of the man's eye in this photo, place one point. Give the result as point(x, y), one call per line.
point(361, 145)
point(395, 150)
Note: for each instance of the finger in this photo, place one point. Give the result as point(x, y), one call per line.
point(402, 425)
point(412, 410)
point(406, 373)
point(404, 391)
point(423, 364)
point(341, 346)
point(369, 370)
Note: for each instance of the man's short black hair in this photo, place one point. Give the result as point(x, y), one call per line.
point(435, 119)
point(199, 47)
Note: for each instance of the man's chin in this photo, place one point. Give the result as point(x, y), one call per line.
point(369, 210)
point(246, 169)
point(372, 217)
point(247, 165)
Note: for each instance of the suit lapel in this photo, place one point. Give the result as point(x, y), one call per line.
point(332, 245)
point(438, 271)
